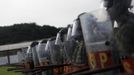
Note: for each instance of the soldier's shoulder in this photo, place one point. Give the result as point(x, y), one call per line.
point(131, 14)
point(130, 18)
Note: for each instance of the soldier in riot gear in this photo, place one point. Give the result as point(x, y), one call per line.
point(121, 11)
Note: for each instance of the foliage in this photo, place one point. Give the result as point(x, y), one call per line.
point(25, 32)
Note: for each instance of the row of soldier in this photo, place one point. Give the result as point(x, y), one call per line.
point(66, 48)
point(89, 43)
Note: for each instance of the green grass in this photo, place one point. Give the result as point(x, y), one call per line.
point(3, 71)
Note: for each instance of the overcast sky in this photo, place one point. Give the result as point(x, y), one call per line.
point(58, 13)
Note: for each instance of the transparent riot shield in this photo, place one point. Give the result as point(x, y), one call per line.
point(75, 53)
point(69, 32)
point(69, 48)
point(55, 55)
point(98, 33)
point(73, 49)
point(47, 50)
point(71, 44)
point(54, 51)
point(34, 46)
point(65, 35)
point(29, 60)
point(42, 54)
point(61, 36)
point(21, 57)
point(19, 54)
point(76, 30)
point(58, 39)
point(78, 38)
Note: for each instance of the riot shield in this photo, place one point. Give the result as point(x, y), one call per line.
point(34, 53)
point(42, 54)
point(73, 49)
point(59, 43)
point(98, 33)
point(69, 32)
point(69, 47)
point(29, 60)
point(58, 39)
point(55, 55)
point(53, 50)
point(76, 30)
point(61, 36)
point(21, 56)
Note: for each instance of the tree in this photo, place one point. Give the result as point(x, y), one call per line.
point(25, 32)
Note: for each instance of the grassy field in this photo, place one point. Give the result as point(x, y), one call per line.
point(3, 71)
